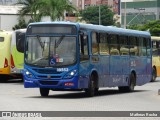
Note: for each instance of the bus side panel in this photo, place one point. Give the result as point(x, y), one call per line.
point(134, 67)
point(138, 64)
point(143, 69)
point(117, 65)
point(149, 69)
point(84, 72)
point(125, 70)
point(104, 71)
point(18, 59)
point(100, 64)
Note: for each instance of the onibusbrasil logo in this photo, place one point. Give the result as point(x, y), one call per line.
point(20, 114)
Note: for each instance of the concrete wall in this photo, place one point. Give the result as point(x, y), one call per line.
point(9, 17)
point(7, 22)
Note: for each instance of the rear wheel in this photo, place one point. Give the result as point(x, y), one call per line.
point(154, 75)
point(44, 92)
point(130, 87)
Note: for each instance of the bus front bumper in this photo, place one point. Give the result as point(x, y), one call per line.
point(52, 84)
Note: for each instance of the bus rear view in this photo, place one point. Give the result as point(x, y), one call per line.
point(50, 57)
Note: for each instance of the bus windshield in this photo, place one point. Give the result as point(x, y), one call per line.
point(51, 51)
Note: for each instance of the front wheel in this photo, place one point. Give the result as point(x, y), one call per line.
point(44, 92)
point(90, 91)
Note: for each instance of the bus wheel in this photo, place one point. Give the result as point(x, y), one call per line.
point(131, 85)
point(90, 91)
point(44, 92)
point(153, 75)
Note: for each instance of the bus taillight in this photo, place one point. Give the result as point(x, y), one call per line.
point(12, 62)
point(5, 63)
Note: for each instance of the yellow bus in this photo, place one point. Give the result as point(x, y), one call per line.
point(5, 42)
point(155, 57)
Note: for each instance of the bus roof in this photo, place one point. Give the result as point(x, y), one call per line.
point(108, 29)
point(116, 30)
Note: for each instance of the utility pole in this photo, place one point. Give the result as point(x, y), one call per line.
point(99, 14)
point(125, 15)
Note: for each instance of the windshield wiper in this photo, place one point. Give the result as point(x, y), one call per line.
point(59, 41)
point(39, 40)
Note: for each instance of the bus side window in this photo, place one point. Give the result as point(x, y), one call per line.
point(133, 46)
point(148, 45)
point(103, 45)
point(1, 39)
point(114, 45)
point(95, 47)
point(83, 44)
point(142, 46)
point(124, 47)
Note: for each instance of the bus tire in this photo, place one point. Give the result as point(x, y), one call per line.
point(44, 92)
point(130, 87)
point(90, 91)
point(132, 83)
point(154, 75)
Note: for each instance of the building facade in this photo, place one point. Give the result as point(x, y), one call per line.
point(7, 2)
point(114, 4)
point(9, 17)
point(139, 12)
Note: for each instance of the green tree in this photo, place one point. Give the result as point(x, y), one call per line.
point(91, 15)
point(21, 24)
point(29, 8)
point(55, 8)
point(152, 26)
point(39, 8)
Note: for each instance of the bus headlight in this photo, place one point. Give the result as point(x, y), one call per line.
point(28, 74)
point(71, 74)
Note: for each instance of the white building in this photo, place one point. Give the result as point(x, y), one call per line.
point(9, 17)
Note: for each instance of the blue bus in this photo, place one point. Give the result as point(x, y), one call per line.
point(75, 56)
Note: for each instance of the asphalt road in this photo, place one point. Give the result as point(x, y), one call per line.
point(14, 97)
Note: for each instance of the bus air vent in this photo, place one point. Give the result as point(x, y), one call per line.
point(48, 82)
